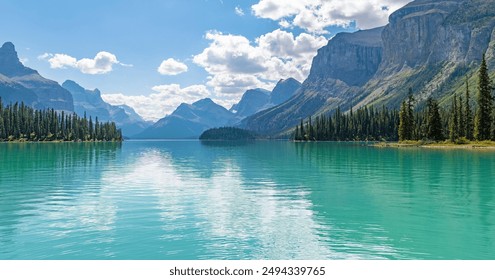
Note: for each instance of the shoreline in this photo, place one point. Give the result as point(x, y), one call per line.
point(440, 145)
point(58, 141)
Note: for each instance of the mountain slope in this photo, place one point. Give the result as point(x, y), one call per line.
point(11, 92)
point(188, 121)
point(284, 90)
point(89, 102)
point(27, 83)
point(336, 73)
point(428, 46)
point(252, 101)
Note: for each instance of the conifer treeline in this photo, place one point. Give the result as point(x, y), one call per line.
point(20, 122)
point(458, 124)
point(364, 124)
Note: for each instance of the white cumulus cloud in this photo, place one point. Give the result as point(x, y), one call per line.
point(172, 67)
point(102, 63)
point(164, 100)
point(236, 64)
point(316, 15)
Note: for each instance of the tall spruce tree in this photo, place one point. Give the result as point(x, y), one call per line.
point(454, 121)
point(483, 118)
point(410, 115)
point(403, 122)
point(468, 114)
point(434, 121)
point(302, 133)
point(461, 117)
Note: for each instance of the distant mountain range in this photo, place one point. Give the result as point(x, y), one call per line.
point(22, 84)
point(191, 120)
point(89, 102)
point(188, 121)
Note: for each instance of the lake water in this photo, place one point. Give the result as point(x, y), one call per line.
point(263, 200)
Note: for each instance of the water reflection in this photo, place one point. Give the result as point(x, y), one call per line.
point(224, 215)
point(50, 193)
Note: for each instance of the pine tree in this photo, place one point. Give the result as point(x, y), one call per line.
point(483, 118)
point(311, 132)
point(302, 132)
point(454, 121)
point(410, 115)
point(461, 117)
point(403, 122)
point(468, 115)
point(434, 121)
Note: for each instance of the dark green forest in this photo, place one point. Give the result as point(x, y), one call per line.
point(227, 133)
point(19, 122)
point(366, 124)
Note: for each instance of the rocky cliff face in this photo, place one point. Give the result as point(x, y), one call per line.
point(429, 46)
point(349, 57)
point(28, 85)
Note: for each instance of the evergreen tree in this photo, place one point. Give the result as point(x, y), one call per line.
point(468, 115)
point(454, 121)
point(302, 132)
point(410, 115)
point(311, 131)
point(403, 122)
point(483, 118)
point(434, 121)
point(461, 117)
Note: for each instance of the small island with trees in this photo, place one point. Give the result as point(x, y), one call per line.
point(21, 123)
point(227, 134)
point(461, 125)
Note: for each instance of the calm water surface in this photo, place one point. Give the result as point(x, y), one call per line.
point(264, 200)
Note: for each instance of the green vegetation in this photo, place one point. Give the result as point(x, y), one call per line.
point(410, 126)
point(434, 121)
point(406, 118)
point(227, 134)
point(23, 123)
point(365, 124)
point(460, 127)
point(483, 119)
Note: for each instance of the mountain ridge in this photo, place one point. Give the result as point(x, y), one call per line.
point(22, 84)
point(89, 103)
point(429, 46)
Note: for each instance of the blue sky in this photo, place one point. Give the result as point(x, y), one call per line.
point(208, 48)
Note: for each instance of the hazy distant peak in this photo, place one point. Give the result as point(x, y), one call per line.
point(8, 46)
point(71, 84)
point(288, 80)
point(10, 65)
point(203, 102)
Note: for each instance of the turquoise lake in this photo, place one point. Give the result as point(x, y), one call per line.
point(263, 200)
